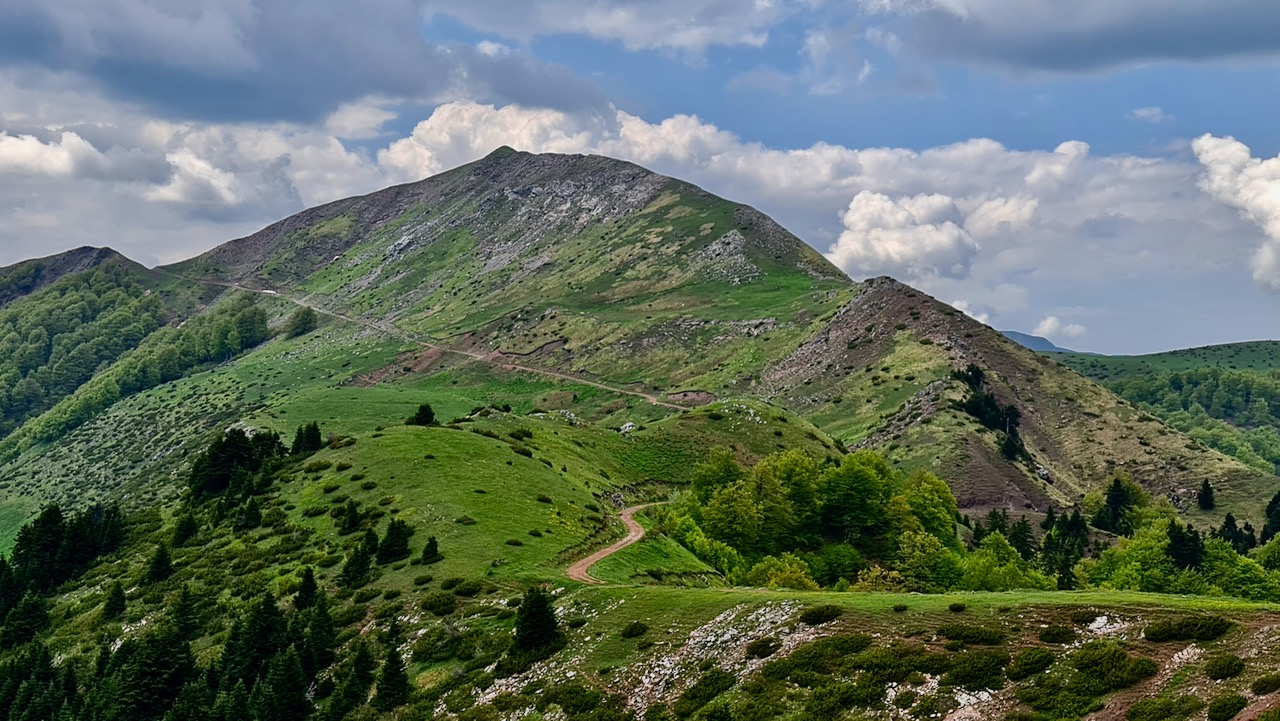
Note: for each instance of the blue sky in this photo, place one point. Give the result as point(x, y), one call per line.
point(1104, 172)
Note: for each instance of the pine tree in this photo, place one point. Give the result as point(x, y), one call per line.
point(393, 683)
point(424, 416)
point(1049, 518)
point(350, 522)
point(114, 604)
point(28, 618)
point(320, 638)
point(1023, 539)
point(160, 567)
point(355, 572)
point(1186, 547)
point(395, 543)
point(308, 590)
point(431, 552)
point(285, 688)
point(1205, 496)
point(232, 705)
point(185, 529)
point(250, 516)
point(184, 614)
point(536, 625)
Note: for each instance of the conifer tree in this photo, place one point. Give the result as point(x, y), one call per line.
point(184, 614)
point(114, 604)
point(308, 589)
point(1205, 496)
point(424, 416)
point(395, 543)
point(393, 683)
point(320, 638)
point(160, 567)
point(536, 625)
point(185, 529)
point(28, 618)
point(350, 522)
point(1023, 539)
point(431, 552)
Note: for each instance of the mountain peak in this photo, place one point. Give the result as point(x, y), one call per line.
point(30, 276)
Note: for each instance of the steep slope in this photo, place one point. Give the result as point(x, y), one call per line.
point(29, 276)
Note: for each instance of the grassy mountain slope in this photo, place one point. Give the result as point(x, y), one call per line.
point(1263, 355)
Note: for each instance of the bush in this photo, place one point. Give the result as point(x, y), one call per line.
point(763, 647)
point(977, 670)
point(440, 603)
point(467, 588)
point(1188, 628)
point(712, 684)
point(1058, 634)
point(1228, 665)
point(957, 608)
point(573, 698)
point(1264, 685)
point(1083, 618)
point(423, 580)
point(899, 608)
point(977, 635)
point(635, 629)
point(514, 542)
point(449, 583)
point(1029, 663)
point(1163, 708)
point(1225, 708)
point(820, 614)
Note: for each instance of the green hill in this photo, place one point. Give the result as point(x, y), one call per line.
point(590, 336)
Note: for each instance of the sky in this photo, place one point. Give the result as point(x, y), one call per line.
point(1104, 173)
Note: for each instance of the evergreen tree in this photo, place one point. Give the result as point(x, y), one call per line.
point(232, 705)
point(424, 416)
point(308, 590)
point(431, 552)
point(184, 615)
point(192, 703)
point(320, 638)
point(1186, 547)
point(1023, 539)
point(1205, 496)
point(1114, 515)
point(1239, 539)
point(284, 690)
point(1272, 525)
point(307, 439)
point(160, 566)
point(185, 529)
point(395, 543)
point(249, 517)
point(28, 618)
point(536, 626)
point(350, 520)
point(1049, 518)
point(114, 604)
point(355, 572)
point(393, 683)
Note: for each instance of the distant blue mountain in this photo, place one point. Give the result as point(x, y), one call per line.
point(1034, 342)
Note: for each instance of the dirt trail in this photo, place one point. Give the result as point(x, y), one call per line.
point(494, 358)
point(635, 532)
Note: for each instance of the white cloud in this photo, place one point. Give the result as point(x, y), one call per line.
point(1052, 327)
point(913, 237)
point(1252, 186)
point(359, 120)
point(1149, 114)
point(969, 310)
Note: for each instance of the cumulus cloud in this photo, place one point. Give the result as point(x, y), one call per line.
point(1086, 35)
point(1052, 327)
point(916, 236)
point(1252, 186)
point(1149, 114)
point(969, 310)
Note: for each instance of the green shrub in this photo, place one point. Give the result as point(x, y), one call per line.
point(1227, 665)
point(449, 583)
point(1225, 708)
point(977, 670)
point(968, 633)
point(635, 629)
point(712, 684)
point(514, 542)
point(423, 580)
point(1058, 634)
point(1163, 708)
point(342, 467)
point(366, 594)
point(1029, 663)
point(465, 521)
point(317, 466)
point(467, 588)
point(544, 498)
point(899, 608)
point(957, 608)
point(1264, 685)
point(439, 603)
point(573, 698)
point(576, 622)
point(763, 647)
point(1188, 628)
point(1083, 617)
point(815, 615)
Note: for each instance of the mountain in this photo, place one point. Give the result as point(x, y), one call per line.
point(349, 466)
point(1034, 342)
point(656, 296)
point(29, 276)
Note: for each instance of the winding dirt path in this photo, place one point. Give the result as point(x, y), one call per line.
point(494, 358)
point(635, 532)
